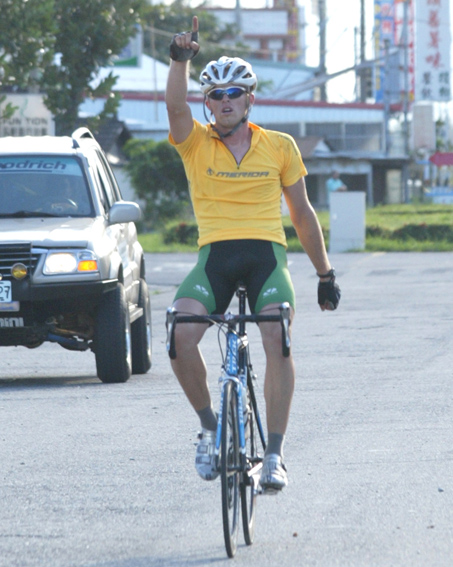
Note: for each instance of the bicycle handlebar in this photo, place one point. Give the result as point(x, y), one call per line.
point(230, 319)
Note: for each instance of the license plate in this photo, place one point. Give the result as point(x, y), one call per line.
point(13, 306)
point(5, 292)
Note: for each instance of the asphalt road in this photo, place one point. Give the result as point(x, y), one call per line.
point(102, 475)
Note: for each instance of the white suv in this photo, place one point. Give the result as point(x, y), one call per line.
point(71, 269)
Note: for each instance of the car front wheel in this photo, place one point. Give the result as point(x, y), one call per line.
point(141, 334)
point(112, 339)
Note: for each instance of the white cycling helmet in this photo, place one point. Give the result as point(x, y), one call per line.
point(227, 70)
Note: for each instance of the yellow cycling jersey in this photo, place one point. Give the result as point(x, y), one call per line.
point(239, 201)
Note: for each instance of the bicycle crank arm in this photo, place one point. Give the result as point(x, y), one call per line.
point(253, 475)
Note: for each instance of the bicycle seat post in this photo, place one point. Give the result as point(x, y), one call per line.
point(241, 292)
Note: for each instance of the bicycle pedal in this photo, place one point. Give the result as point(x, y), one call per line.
point(270, 491)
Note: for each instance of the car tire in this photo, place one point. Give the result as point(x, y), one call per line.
point(141, 337)
point(112, 338)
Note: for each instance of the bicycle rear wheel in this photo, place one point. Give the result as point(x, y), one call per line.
point(229, 469)
point(249, 483)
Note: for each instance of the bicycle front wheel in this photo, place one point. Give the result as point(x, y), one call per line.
point(248, 488)
point(229, 469)
point(249, 483)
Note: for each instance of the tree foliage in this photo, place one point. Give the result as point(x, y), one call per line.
point(58, 47)
point(162, 21)
point(89, 34)
point(27, 39)
point(8, 110)
point(158, 177)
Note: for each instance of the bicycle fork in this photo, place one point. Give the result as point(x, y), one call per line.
point(232, 372)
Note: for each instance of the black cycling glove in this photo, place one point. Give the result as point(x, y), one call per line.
point(329, 294)
point(181, 54)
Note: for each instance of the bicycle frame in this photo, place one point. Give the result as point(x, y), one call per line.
point(236, 370)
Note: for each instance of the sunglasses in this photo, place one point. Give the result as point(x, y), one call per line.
point(231, 92)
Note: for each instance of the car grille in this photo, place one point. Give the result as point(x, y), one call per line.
point(11, 254)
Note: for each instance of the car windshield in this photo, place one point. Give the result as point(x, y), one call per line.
point(48, 186)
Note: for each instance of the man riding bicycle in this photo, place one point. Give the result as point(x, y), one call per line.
point(237, 172)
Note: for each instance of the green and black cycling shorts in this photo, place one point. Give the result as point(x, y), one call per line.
point(259, 264)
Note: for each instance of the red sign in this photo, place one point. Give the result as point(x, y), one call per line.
point(442, 158)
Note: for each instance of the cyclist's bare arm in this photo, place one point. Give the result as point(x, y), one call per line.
point(179, 113)
point(307, 225)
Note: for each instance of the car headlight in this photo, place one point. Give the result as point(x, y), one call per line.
point(70, 262)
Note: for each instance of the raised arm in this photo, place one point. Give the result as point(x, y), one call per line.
point(183, 48)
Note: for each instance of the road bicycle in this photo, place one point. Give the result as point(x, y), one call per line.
point(240, 439)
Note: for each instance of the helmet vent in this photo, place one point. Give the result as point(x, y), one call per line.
point(226, 70)
point(240, 72)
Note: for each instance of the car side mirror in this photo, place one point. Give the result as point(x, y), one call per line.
point(124, 211)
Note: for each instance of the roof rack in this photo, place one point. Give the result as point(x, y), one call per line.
point(82, 133)
point(79, 134)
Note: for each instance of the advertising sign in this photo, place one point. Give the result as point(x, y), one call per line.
point(432, 47)
point(394, 39)
point(31, 117)
point(384, 26)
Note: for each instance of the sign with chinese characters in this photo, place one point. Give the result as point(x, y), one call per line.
point(31, 117)
point(394, 48)
point(405, 37)
point(383, 36)
point(432, 47)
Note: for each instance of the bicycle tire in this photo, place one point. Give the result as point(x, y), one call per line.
point(255, 446)
point(248, 487)
point(229, 469)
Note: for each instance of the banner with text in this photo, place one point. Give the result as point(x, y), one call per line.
point(433, 50)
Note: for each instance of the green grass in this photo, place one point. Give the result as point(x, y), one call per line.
point(395, 216)
point(381, 223)
point(154, 242)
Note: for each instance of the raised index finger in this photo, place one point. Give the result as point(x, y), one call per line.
point(194, 36)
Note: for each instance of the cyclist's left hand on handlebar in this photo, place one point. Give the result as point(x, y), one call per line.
point(329, 294)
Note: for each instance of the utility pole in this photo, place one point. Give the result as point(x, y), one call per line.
point(386, 98)
point(405, 45)
point(363, 72)
point(238, 17)
point(154, 56)
point(322, 45)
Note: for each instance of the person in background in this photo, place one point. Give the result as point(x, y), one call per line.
point(334, 183)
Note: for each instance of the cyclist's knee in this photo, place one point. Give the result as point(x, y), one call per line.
point(189, 306)
point(271, 332)
point(271, 335)
point(188, 335)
